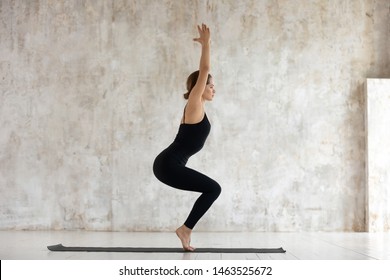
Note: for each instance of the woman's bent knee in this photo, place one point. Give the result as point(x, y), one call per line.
point(216, 190)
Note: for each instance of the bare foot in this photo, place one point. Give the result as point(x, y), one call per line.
point(184, 234)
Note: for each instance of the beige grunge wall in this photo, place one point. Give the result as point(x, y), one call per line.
point(91, 92)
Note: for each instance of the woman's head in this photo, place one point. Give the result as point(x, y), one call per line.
point(209, 89)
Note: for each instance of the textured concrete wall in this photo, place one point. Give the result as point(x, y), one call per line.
point(378, 154)
point(91, 92)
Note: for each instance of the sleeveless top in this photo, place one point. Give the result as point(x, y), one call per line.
point(191, 137)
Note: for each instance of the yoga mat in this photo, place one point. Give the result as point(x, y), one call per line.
point(62, 248)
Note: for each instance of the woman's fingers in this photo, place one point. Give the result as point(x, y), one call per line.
point(202, 28)
point(204, 32)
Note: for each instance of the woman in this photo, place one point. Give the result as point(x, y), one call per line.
point(169, 166)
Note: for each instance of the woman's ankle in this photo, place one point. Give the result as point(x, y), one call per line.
point(185, 229)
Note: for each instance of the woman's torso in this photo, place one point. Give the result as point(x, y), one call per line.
point(189, 140)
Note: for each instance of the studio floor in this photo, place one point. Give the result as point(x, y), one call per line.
point(32, 245)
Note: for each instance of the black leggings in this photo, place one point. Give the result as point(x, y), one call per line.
point(174, 173)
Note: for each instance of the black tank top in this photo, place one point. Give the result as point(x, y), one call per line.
point(191, 137)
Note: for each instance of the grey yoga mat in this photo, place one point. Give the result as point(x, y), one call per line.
point(62, 248)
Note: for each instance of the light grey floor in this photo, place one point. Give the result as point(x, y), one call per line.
point(28, 245)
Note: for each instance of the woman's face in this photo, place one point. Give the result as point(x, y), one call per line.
point(209, 91)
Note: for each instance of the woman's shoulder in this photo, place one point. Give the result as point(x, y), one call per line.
point(193, 114)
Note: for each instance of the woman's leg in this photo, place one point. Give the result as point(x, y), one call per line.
point(184, 178)
point(192, 180)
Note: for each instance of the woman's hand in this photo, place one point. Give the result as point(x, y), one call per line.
point(204, 35)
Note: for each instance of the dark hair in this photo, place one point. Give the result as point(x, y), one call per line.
point(191, 81)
